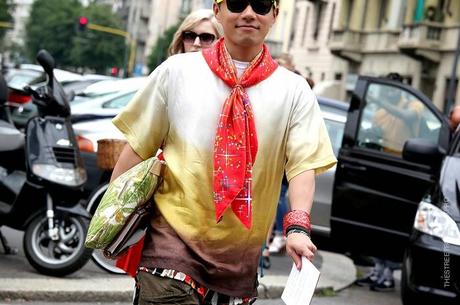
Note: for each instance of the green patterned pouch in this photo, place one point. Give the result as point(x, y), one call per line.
point(124, 195)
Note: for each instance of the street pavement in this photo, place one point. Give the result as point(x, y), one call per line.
point(19, 281)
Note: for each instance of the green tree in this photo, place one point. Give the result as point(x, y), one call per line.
point(160, 50)
point(95, 49)
point(51, 26)
point(5, 16)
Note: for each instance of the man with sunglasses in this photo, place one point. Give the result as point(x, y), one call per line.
point(231, 123)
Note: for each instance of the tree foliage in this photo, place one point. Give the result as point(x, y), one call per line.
point(160, 50)
point(5, 16)
point(51, 26)
point(95, 49)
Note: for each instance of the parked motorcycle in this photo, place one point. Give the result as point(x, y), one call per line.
point(41, 177)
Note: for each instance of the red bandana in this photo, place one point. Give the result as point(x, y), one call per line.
point(235, 145)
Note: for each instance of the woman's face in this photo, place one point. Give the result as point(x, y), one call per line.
point(199, 37)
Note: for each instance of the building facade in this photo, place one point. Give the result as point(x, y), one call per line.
point(279, 35)
point(20, 15)
point(147, 20)
point(415, 38)
point(314, 22)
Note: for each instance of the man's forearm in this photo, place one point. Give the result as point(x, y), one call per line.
point(301, 191)
point(128, 158)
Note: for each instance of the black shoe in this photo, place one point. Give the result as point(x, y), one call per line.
point(384, 286)
point(367, 281)
point(266, 262)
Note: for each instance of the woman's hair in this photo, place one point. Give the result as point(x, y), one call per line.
point(192, 20)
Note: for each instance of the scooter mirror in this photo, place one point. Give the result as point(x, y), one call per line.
point(47, 62)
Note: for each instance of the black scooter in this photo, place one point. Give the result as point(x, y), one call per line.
point(41, 179)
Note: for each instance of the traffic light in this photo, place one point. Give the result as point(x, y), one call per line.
point(82, 23)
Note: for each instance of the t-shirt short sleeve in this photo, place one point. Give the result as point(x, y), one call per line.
point(308, 144)
point(144, 121)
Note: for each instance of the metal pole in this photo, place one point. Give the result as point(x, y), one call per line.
point(451, 89)
point(125, 58)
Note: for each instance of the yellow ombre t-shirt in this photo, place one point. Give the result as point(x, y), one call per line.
point(180, 107)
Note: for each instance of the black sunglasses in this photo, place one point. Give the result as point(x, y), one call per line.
point(205, 38)
point(260, 7)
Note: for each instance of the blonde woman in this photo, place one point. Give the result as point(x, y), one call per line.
point(198, 30)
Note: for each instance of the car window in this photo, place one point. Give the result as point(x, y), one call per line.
point(332, 109)
point(119, 102)
point(391, 116)
point(18, 79)
point(335, 130)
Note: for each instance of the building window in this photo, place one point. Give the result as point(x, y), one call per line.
point(319, 14)
point(186, 7)
point(349, 11)
point(331, 21)
point(304, 31)
point(338, 76)
point(382, 19)
point(323, 76)
point(208, 3)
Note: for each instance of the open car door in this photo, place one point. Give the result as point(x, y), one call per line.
point(376, 191)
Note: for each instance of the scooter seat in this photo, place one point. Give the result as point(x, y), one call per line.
point(10, 137)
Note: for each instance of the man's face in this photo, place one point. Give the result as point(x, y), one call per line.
point(245, 29)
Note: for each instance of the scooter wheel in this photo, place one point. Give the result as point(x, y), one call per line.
point(62, 256)
point(97, 256)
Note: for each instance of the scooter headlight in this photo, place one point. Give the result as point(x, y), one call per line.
point(65, 176)
point(433, 221)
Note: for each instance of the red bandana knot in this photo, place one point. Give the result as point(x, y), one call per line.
point(235, 145)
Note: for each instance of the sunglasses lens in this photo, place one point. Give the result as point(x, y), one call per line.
point(207, 38)
point(189, 36)
point(261, 7)
point(237, 6)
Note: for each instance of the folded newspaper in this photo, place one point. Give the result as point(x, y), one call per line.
point(301, 285)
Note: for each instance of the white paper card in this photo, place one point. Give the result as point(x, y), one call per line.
point(301, 285)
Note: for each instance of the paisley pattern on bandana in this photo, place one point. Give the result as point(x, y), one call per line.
point(235, 145)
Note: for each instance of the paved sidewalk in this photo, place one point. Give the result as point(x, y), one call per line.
point(337, 272)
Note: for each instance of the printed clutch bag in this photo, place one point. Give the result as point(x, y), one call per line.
point(124, 196)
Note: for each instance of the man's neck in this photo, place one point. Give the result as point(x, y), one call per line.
point(245, 54)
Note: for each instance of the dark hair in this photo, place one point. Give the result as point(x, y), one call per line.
point(310, 82)
point(395, 76)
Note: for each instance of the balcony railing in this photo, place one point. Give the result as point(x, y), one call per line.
point(348, 40)
point(380, 41)
point(352, 44)
point(421, 36)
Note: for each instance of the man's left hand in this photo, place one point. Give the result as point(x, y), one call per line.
point(298, 245)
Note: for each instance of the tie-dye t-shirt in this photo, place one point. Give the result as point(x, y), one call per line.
point(180, 107)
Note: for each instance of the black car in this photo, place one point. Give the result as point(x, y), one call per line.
point(396, 193)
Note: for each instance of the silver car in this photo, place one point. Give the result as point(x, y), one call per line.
point(321, 211)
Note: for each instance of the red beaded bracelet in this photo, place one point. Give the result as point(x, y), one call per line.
point(297, 218)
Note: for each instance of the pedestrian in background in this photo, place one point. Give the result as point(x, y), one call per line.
point(198, 31)
point(232, 123)
point(454, 117)
point(276, 241)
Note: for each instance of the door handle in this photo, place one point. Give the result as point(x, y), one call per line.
point(354, 167)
